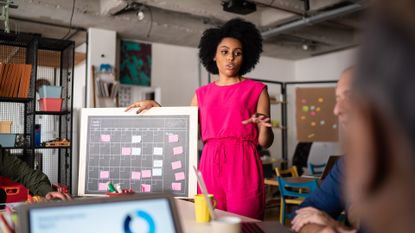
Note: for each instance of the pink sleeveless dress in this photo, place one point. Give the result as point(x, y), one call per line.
point(230, 161)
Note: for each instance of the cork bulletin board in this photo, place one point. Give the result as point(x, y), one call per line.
point(314, 115)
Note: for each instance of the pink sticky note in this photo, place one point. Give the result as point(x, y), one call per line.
point(102, 186)
point(173, 138)
point(176, 186)
point(146, 173)
point(105, 137)
point(126, 151)
point(176, 165)
point(104, 174)
point(135, 175)
point(145, 188)
point(179, 176)
point(178, 150)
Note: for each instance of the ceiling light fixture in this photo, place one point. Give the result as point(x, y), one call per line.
point(140, 13)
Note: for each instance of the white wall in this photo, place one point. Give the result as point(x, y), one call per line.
point(78, 103)
point(175, 70)
point(325, 67)
point(274, 69)
point(101, 50)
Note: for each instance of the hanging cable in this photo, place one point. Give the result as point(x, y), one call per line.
point(70, 21)
point(151, 21)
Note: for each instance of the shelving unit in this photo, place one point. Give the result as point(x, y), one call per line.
point(51, 60)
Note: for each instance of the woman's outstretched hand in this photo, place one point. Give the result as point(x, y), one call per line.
point(260, 119)
point(143, 105)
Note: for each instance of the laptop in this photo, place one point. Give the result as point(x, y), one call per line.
point(154, 213)
point(329, 165)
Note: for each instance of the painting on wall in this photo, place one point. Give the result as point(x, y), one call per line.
point(135, 67)
point(315, 119)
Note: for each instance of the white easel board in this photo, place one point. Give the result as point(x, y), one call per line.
point(151, 152)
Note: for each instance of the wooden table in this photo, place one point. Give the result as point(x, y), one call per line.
point(189, 225)
point(299, 179)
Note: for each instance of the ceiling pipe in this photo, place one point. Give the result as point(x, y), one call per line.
point(312, 20)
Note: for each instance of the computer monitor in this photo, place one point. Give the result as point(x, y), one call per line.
point(129, 213)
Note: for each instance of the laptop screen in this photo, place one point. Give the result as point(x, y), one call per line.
point(148, 215)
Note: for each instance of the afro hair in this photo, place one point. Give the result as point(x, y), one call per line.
point(239, 29)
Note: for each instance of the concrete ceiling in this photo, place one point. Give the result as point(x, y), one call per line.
point(181, 22)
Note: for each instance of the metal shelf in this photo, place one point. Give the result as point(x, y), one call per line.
point(15, 100)
point(52, 147)
point(52, 113)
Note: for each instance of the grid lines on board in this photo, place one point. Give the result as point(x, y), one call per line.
point(143, 153)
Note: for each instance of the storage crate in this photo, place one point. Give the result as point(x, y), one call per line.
point(14, 191)
point(50, 104)
point(7, 139)
point(47, 91)
point(5, 126)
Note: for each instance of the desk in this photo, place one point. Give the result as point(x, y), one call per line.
point(299, 179)
point(189, 225)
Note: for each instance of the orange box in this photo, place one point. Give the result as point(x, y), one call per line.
point(15, 192)
point(50, 104)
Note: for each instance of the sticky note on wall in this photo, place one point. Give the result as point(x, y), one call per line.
point(176, 186)
point(104, 174)
point(136, 151)
point(179, 176)
point(102, 186)
point(145, 188)
point(178, 150)
point(105, 138)
point(126, 151)
point(146, 173)
point(136, 139)
point(135, 175)
point(158, 163)
point(157, 172)
point(158, 151)
point(176, 165)
point(173, 138)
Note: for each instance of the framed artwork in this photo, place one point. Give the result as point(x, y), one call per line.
point(135, 67)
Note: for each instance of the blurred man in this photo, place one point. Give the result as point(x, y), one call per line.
point(380, 161)
point(318, 213)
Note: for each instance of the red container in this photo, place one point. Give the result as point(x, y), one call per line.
point(50, 104)
point(15, 192)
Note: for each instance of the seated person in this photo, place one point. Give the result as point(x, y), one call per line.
point(37, 182)
point(380, 160)
point(323, 207)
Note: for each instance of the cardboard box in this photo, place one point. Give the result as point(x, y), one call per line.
point(6, 126)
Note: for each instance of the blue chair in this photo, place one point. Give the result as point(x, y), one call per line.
point(316, 169)
point(293, 193)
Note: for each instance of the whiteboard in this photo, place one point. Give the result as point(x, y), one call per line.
point(153, 151)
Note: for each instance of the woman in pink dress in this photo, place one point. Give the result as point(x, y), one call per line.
point(234, 117)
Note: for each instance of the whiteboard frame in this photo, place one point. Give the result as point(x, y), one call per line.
point(192, 112)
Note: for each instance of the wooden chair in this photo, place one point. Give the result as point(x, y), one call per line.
point(293, 193)
point(292, 171)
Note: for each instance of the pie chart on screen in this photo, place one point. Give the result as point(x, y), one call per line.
point(139, 222)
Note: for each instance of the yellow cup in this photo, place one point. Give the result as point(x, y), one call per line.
point(201, 208)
